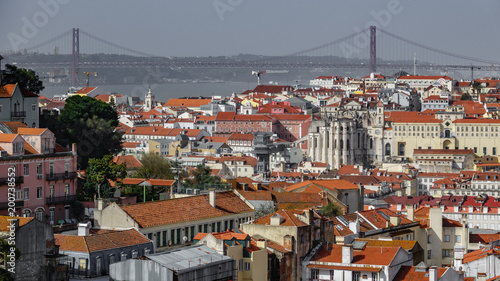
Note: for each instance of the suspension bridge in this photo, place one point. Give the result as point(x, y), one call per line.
point(373, 49)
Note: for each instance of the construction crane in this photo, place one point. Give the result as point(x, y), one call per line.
point(260, 72)
point(89, 73)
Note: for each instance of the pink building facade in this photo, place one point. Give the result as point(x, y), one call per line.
point(38, 175)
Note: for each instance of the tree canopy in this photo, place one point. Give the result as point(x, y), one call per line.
point(26, 78)
point(331, 210)
point(154, 167)
point(202, 178)
point(97, 176)
point(92, 125)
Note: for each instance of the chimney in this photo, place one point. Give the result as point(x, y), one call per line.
point(395, 220)
point(73, 147)
point(84, 229)
point(354, 226)
point(410, 212)
point(211, 197)
point(100, 204)
point(433, 273)
point(347, 254)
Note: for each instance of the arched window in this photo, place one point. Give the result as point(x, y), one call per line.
point(387, 149)
point(39, 213)
point(401, 150)
point(26, 213)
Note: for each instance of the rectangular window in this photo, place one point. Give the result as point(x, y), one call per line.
point(446, 253)
point(82, 264)
point(38, 192)
point(429, 254)
point(429, 240)
point(26, 169)
point(26, 193)
point(240, 267)
point(247, 266)
point(98, 265)
point(51, 170)
point(457, 239)
point(447, 238)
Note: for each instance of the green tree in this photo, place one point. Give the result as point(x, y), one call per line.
point(4, 251)
point(98, 174)
point(154, 167)
point(201, 178)
point(26, 78)
point(92, 125)
point(466, 96)
point(331, 210)
point(476, 86)
point(264, 210)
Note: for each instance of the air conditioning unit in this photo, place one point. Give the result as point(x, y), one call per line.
point(189, 191)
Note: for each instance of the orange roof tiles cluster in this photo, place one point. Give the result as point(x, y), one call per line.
point(102, 241)
point(332, 253)
point(187, 102)
point(185, 209)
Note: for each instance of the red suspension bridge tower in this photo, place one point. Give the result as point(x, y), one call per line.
point(373, 49)
point(76, 58)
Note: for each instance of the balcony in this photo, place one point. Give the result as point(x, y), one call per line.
point(5, 205)
point(5, 181)
point(60, 199)
point(60, 176)
point(18, 114)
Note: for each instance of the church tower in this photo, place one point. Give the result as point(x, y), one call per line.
point(149, 101)
point(378, 133)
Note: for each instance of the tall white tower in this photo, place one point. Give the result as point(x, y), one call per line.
point(149, 101)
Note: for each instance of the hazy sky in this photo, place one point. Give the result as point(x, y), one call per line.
point(266, 27)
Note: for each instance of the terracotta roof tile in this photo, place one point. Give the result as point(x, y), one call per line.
point(409, 273)
point(185, 209)
point(129, 160)
point(4, 221)
point(30, 131)
point(368, 256)
point(101, 241)
point(187, 102)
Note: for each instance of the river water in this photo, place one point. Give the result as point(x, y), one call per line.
point(163, 91)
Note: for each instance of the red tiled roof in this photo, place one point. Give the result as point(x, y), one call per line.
point(289, 218)
point(187, 102)
point(7, 137)
point(185, 209)
point(484, 238)
point(30, 131)
point(410, 273)
point(423, 77)
point(4, 222)
point(101, 241)
point(129, 160)
point(14, 126)
point(480, 254)
point(329, 184)
point(6, 91)
point(277, 247)
point(367, 256)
